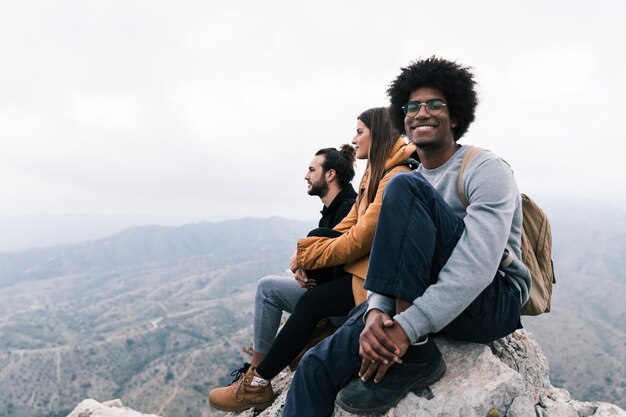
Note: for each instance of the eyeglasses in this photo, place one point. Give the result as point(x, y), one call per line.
point(433, 106)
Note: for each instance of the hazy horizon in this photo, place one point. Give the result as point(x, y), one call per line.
point(37, 230)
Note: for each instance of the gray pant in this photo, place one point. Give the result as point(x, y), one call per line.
point(274, 294)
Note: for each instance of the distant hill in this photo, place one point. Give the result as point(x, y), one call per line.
point(231, 240)
point(584, 337)
point(158, 315)
point(142, 315)
point(27, 231)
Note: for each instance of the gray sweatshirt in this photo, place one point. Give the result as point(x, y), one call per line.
point(492, 219)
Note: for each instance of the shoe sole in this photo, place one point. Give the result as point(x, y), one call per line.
point(419, 384)
point(257, 407)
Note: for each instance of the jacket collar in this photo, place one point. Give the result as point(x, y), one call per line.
point(346, 193)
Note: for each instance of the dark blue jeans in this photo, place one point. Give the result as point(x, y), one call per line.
point(416, 234)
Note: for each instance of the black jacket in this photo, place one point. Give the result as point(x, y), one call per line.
point(339, 208)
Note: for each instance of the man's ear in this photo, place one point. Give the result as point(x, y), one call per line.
point(330, 175)
point(453, 123)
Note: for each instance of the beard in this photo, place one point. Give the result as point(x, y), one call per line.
point(319, 188)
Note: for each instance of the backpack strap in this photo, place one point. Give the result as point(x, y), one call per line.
point(469, 155)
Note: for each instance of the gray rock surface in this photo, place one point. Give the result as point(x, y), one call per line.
point(113, 408)
point(508, 378)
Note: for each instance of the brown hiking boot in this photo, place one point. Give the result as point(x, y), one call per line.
point(242, 395)
point(323, 329)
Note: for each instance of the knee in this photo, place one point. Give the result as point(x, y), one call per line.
point(265, 287)
point(405, 186)
point(406, 183)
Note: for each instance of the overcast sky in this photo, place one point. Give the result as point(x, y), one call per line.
point(213, 109)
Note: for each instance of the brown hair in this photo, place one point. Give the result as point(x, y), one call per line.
point(383, 136)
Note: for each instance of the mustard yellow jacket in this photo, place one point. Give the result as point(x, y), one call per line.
point(352, 248)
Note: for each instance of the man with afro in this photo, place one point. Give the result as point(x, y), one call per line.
point(436, 263)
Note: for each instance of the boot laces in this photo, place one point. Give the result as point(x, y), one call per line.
point(240, 392)
point(241, 371)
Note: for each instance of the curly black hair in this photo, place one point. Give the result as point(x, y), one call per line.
point(455, 81)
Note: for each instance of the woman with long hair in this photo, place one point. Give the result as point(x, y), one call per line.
point(345, 247)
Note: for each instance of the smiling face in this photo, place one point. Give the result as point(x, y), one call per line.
point(427, 131)
point(362, 140)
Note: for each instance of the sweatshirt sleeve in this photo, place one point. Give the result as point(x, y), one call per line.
point(380, 302)
point(493, 196)
point(354, 243)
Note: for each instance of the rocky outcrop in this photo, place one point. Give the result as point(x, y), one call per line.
point(508, 378)
point(113, 408)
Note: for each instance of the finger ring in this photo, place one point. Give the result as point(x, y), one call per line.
point(373, 361)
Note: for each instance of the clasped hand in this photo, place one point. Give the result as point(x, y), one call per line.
point(381, 345)
point(300, 274)
point(303, 279)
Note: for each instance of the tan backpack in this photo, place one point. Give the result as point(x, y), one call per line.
point(536, 247)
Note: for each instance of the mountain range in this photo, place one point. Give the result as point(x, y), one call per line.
point(159, 315)
point(153, 314)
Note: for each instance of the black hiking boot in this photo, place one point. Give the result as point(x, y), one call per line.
point(422, 366)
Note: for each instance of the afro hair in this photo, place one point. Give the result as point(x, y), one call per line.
point(456, 82)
